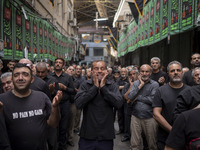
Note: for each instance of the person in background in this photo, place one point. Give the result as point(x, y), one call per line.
point(73, 109)
point(83, 72)
point(132, 76)
point(185, 69)
point(65, 84)
point(42, 72)
point(196, 75)
point(157, 74)
point(88, 74)
point(123, 79)
point(11, 65)
point(79, 80)
point(110, 75)
point(195, 62)
point(6, 81)
point(116, 75)
point(51, 70)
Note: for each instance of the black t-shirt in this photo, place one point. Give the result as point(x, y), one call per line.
point(187, 78)
point(26, 120)
point(188, 99)
point(165, 97)
point(156, 76)
point(40, 85)
point(185, 130)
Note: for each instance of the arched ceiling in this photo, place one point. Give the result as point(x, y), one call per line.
point(85, 11)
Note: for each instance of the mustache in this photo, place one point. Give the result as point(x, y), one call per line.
point(20, 81)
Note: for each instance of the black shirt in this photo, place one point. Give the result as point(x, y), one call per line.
point(122, 82)
point(4, 140)
point(26, 120)
point(165, 97)
point(187, 99)
point(185, 130)
point(98, 120)
point(188, 79)
point(67, 81)
point(49, 80)
point(156, 76)
point(40, 85)
point(129, 107)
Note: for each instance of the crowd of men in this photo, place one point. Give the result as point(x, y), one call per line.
point(41, 105)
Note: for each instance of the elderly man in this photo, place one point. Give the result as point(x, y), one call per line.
point(196, 75)
point(6, 81)
point(27, 112)
point(97, 97)
point(141, 94)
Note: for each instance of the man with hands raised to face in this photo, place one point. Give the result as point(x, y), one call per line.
point(141, 95)
point(97, 97)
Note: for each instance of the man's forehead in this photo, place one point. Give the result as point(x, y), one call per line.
point(196, 55)
point(100, 63)
point(22, 69)
point(6, 78)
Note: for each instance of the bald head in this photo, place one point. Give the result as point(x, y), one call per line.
point(25, 61)
point(41, 70)
point(145, 72)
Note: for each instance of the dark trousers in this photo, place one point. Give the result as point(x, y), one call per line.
point(51, 138)
point(64, 111)
point(128, 113)
point(85, 144)
point(121, 118)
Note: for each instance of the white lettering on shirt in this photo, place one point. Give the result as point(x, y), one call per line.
point(27, 114)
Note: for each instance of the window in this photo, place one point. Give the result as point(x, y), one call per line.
point(98, 51)
point(87, 52)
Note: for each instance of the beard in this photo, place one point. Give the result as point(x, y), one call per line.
point(24, 89)
point(176, 80)
point(145, 78)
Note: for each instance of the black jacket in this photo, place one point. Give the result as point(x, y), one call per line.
point(98, 120)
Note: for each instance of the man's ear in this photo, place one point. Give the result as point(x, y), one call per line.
point(32, 80)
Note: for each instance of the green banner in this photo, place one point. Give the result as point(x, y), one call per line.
point(19, 47)
point(174, 16)
point(41, 23)
point(197, 9)
point(7, 29)
point(158, 19)
point(152, 22)
point(165, 19)
point(146, 24)
point(187, 19)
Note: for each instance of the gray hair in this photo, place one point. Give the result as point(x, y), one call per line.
point(1, 62)
point(5, 75)
point(197, 68)
point(155, 58)
point(41, 64)
point(174, 62)
point(133, 68)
